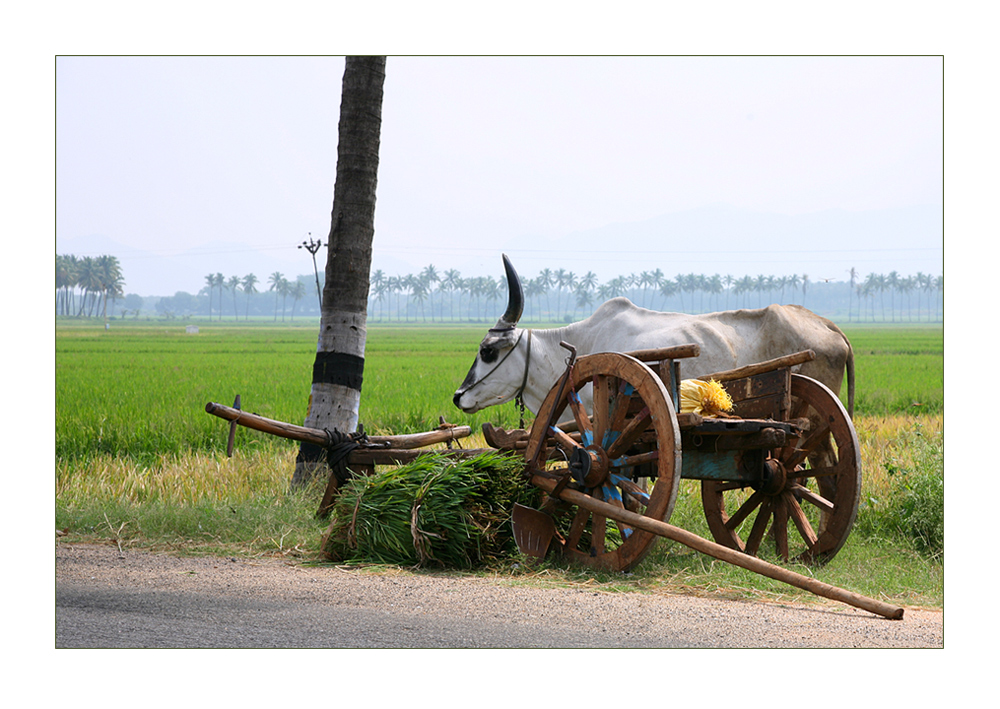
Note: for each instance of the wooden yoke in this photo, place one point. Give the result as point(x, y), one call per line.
point(320, 438)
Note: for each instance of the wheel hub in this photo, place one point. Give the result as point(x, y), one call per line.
point(774, 478)
point(588, 466)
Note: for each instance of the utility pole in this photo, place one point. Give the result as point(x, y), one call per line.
point(312, 247)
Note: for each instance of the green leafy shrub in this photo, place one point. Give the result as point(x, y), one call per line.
point(911, 504)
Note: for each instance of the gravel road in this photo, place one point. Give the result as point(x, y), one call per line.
point(131, 599)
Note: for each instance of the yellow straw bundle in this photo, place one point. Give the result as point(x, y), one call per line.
point(705, 398)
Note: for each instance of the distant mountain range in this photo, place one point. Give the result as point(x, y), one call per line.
point(715, 239)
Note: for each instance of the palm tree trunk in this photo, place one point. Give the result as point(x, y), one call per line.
point(339, 365)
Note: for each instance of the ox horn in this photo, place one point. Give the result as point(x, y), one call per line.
point(515, 296)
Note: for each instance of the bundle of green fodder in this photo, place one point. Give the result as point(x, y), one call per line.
point(436, 511)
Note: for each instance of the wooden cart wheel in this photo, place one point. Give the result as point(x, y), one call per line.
point(811, 488)
point(628, 437)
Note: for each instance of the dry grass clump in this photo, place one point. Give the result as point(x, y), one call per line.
point(903, 480)
point(176, 479)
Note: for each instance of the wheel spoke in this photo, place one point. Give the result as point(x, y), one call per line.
point(745, 510)
point(820, 472)
point(799, 409)
point(618, 413)
point(800, 520)
point(804, 493)
point(780, 528)
point(759, 528)
point(613, 495)
point(629, 461)
point(598, 528)
point(800, 453)
point(601, 395)
point(727, 487)
point(635, 428)
point(577, 527)
point(581, 418)
point(563, 440)
point(631, 489)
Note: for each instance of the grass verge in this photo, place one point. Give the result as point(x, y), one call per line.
point(200, 503)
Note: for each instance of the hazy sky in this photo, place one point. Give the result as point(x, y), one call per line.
point(219, 156)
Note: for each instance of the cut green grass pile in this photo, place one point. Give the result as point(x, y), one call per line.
point(434, 512)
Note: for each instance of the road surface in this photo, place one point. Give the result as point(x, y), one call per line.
point(106, 598)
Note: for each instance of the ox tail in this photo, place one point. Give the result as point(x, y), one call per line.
point(849, 367)
point(850, 379)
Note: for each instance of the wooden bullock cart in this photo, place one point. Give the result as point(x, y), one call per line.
point(609, 449)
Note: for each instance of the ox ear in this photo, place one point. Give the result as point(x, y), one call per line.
point(515, 297)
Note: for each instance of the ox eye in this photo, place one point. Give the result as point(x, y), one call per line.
point(488, 354)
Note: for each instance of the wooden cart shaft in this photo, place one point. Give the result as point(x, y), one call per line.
point(717, 551)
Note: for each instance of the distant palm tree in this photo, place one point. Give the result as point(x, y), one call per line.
point(668, 289)
point(793, 281)
point(284, 288)
point(220, 283)
point(862, 291)
point(919, 285)
point(546, 279)
point(275, 280)
point(939, 287)
point(681, 280)
point(743, 286)
point(715, 288)
point(729, 281)
point(109, 280)
point(760, 285)
point(494, 290)
point(89, 283)
point(210, 284)
point(428, 277)
point(532, 291)
point(395, 284)
point(420, 293)
point(569, 280)
point(880, 286)
point(377, 283)
point(927, 285)
point(853, 282)
point(892, 283)
point(297, 291)
point(379, 290)
point(233, 284)
point(584, 296)
point(906, 286)
point(655, 281)
point(67, 273)
point(588, 283)
point(450, 283)
point(249, 287)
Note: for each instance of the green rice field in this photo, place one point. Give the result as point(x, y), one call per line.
point(140, 390)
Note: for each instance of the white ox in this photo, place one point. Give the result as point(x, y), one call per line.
point(514, 361)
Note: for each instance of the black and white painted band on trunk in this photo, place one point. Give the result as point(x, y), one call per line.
point(339, 368)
